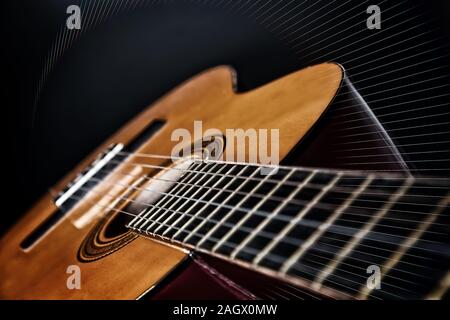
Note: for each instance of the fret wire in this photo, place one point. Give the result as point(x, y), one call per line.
point(441, 288)
point(276, 211)
point(406, 245)
point(266, 213)
point(277, 258)
point(184, 192)
point(356, 239)
point(193, 196)
point(138, 218)
point(294, 221)
point(229, 214)
point(154, 210)
point(114, 210)
point(280, 216)
point(270, 256)
point(190, 176)
point(249, 214)
point(313, 238)
point(325, 251)
point(270, 235)
point(213, 229)
point(166, 197)
point(219, 205)
point(200, 210)
point(247, 249)
point(323, 205)
point(321, 256)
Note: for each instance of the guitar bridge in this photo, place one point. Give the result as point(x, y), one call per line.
point(83, 182)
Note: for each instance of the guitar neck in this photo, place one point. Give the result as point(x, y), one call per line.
point(322, 229)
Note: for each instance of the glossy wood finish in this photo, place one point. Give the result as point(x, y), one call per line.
point(291, 104)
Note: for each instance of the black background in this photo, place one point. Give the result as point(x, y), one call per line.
point(118, 66)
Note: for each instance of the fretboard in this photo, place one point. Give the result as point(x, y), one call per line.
point(322, 229)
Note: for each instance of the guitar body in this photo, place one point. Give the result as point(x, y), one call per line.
point(124, 265)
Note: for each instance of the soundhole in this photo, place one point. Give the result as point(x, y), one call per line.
point(108, 236)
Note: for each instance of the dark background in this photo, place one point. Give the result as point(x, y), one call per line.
point(60, 104)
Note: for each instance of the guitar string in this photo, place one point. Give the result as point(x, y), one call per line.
point(272, 14)
point(380, 116)
point(305, 16)
point(257, 212)
point(281, 215)
point(405, 153)
point(356, 174)
point(340, 58)
point(347, 106)
point(269, 256)
point(120, 211)
point(290, 183)
point(398, 145)
point(399, 137)
point(371, 43)
point(387, 114)
point(331, 28)
point(334, 110)
point(365, 38)
point(264, 214)
point(171, 240)
point(380, 58)
point(435, 39)
point(342, 188)
point(266, 234)
point(321, 205)
point(312, 21)
point(257, 179)
point(384, 122)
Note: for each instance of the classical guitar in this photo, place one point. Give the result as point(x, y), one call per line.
point(213, 218)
